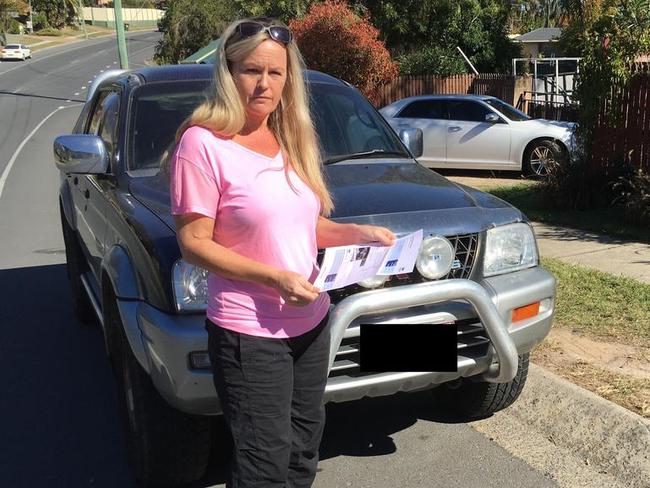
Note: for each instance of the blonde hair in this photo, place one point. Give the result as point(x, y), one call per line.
point(223, 112)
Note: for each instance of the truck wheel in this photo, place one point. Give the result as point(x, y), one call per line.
point(83, 309)
point(478, 399)
point(541, 156)
point(166, 447)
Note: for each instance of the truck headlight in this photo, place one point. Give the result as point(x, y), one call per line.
point(509, 248)
point(374, 282)
point(435, 258)
point(190, 285)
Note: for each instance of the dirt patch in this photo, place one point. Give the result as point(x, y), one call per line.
point(618, 372)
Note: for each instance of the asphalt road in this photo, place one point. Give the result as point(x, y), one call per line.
point(58, 413)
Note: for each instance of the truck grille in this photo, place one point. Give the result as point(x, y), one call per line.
point(473, 342)
point(465, 248)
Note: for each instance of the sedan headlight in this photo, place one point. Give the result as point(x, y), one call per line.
point(436, 257)
point(509, 248)
point(190, 285)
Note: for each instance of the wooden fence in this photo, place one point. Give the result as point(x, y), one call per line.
point(498, 85)
point(622, 134)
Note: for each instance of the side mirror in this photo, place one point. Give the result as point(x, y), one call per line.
point(412, 138)
point(492, 118)
point(80, 153)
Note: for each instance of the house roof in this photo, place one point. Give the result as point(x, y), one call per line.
point(544, 34)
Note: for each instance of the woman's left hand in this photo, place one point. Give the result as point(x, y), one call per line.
point(373, 233)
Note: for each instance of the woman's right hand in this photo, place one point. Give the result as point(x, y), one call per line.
point(295, 289)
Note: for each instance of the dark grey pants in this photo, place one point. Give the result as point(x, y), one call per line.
point(271, 392)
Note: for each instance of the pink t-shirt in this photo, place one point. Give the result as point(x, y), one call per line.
point(257, 215)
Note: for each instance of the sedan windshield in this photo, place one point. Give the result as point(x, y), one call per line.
point(12, 46)
point(508, 110)
point(348, 127)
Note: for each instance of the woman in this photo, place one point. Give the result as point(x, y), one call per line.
point(249, 202)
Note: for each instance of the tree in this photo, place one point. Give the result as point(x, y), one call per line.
point(527, 15)
point(609, 35)
point(6, 8)
point(57, 12)
point(333, 39)
point(189, 25)
point(284, 10)
point(478, 27)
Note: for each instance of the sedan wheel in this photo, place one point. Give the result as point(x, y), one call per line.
point(541, 157)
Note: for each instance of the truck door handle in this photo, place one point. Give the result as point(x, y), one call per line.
point(454, 128)
point(87, 193)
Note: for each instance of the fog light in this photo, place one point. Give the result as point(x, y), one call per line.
point(200, 360)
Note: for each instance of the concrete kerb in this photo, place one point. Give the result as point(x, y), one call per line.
point(608, 437)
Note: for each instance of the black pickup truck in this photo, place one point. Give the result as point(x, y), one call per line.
point(478, 266)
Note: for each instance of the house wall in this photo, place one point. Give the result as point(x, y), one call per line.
point(135, 17)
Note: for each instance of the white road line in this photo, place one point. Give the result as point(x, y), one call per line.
point(11, 162)
point(83, 87)
point(76, 94)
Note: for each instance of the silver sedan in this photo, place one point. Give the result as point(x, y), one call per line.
point(480, 132)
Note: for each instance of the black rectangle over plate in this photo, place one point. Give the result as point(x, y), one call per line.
point(408, 347)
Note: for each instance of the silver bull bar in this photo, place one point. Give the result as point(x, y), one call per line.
point(400, 297)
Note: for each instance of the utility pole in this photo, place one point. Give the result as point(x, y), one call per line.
point(31, 19)
point(83, 20)
point(121, 41)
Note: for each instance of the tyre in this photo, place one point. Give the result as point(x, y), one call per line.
point(478, 399)
point(541, 156)
point(166, 447)
point(76, 265)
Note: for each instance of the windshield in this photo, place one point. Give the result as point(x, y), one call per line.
point(157, 111)
point(508, 110)
point(12, 46)
point(345, 122)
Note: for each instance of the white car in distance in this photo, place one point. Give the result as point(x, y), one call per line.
point(480, 132)
point(15, 51)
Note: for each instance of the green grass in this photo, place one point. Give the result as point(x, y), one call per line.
point(529, 199)
point(601, 305)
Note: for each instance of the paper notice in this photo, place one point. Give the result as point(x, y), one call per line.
point(345, 265)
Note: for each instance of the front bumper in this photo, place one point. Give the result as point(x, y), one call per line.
point(162, 343)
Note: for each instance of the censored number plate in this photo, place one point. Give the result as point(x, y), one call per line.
point(408, 347)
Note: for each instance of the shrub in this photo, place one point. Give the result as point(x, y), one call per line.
point(333, 39)
point(189, 25)
point(48, 31)
point(14, 27)
point(432, 60)
point(39, 20)
point(633, 192)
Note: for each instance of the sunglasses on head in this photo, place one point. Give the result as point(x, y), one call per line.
point(278, 33)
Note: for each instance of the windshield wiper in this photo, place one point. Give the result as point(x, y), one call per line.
point(364, 154)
